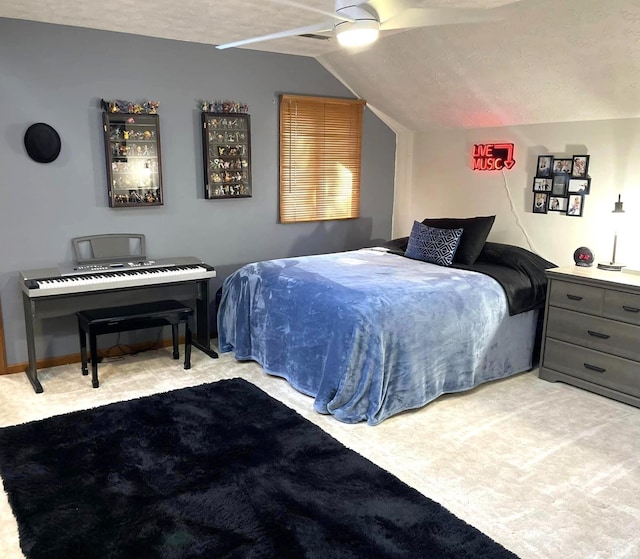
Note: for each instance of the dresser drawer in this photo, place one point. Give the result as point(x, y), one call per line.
point(577, 297)
point(594, 332)
point(621, 306)
point(599, 368)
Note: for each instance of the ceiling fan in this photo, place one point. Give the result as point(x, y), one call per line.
point(358, 23)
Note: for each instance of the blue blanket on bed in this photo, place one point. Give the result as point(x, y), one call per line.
point(368, 333)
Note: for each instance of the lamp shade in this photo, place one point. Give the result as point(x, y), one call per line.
point(618, 206)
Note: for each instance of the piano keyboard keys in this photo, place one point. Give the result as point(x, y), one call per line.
point(117, 279)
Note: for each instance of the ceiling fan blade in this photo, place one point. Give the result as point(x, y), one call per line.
point(425, 17)
point(386, 9)
point(302, 6)
point(314, 28)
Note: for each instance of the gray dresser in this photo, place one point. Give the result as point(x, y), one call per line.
point(591, 335)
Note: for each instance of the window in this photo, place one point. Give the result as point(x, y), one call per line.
point(320, 154)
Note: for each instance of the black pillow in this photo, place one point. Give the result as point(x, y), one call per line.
point(513, 257)
point(397, 246)
point(474, 234)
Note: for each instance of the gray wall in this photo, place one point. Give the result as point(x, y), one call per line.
point(57, 75)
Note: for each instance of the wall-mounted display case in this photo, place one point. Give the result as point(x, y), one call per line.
point(226, 144)
point(134, 170)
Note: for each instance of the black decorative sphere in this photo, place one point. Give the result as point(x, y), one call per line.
point(583, 256)
point(42, 142)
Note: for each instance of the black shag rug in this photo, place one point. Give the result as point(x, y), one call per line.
point(214, 471)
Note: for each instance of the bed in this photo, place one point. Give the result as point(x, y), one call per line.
point(371, 333)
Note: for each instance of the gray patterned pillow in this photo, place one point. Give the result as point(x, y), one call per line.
point(431, 244)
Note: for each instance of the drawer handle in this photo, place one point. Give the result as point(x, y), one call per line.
point(574, 297)
point(630, 309)
point(598, 335)
point(594, 368)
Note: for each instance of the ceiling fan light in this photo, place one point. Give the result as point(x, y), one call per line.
point(357, 33)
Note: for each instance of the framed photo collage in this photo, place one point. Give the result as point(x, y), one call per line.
point(561, 184)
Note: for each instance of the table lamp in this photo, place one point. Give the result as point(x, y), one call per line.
point(613, 265)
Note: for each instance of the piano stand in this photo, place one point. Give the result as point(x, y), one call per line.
point(32, 368)
point(210, 352)
point(132, 317)
point(38, 308)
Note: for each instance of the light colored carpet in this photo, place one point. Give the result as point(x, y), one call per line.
point(547, 470)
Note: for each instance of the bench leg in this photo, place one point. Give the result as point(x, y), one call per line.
point(174, 333)
point(83, 350)
point(187, 345)
point(93, 347)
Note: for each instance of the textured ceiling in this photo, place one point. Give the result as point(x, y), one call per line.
point(540, 61)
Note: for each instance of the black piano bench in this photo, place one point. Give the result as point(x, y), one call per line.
point(132, 317)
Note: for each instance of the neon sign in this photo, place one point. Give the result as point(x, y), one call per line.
point(492, 157)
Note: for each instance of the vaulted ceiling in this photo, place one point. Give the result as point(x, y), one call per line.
point(534, 61)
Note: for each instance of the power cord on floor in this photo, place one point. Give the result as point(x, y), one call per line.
point(125, 350)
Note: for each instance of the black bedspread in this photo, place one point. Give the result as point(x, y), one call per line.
point(520, 272)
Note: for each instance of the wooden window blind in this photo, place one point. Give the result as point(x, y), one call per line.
point(320, 157)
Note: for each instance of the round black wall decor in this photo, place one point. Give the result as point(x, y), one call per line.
point(42, 142)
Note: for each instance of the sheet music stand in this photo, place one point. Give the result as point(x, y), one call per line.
point(110, 247)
